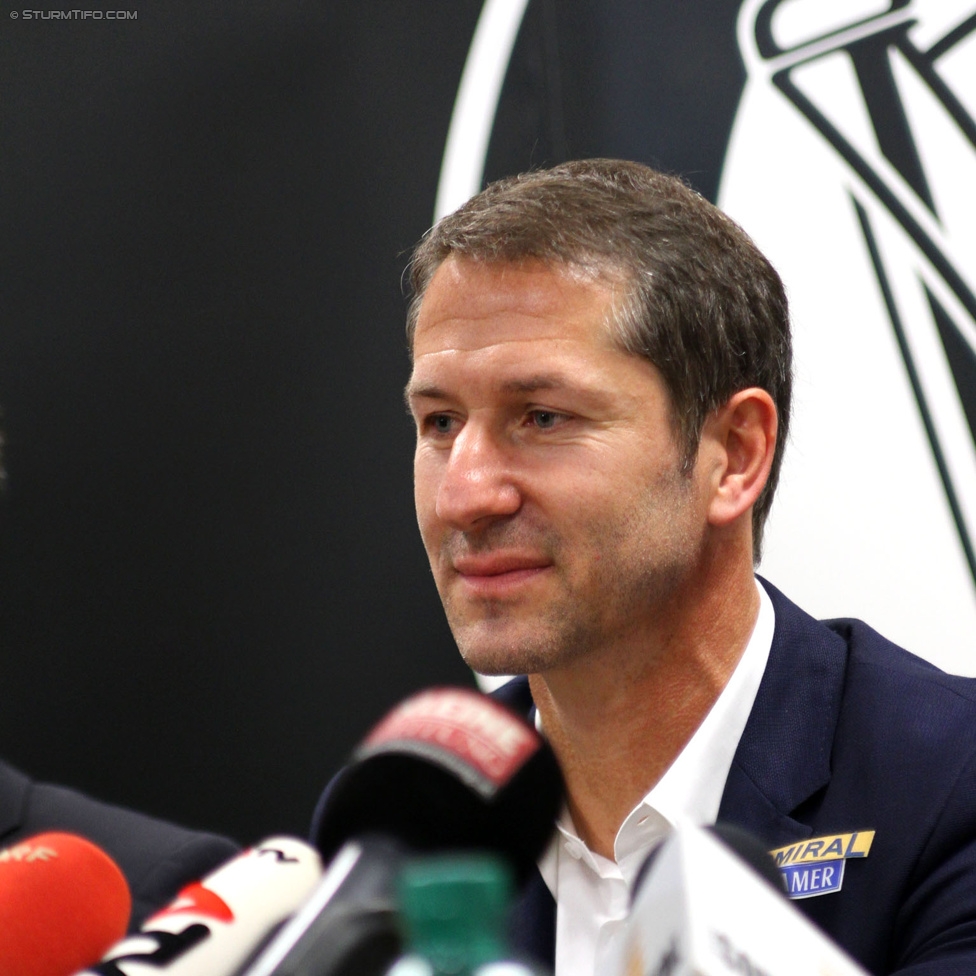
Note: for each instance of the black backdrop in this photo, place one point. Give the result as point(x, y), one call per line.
point(211, 582)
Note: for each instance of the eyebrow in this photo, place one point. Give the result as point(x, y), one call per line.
point(528, 384)
point(540, 381)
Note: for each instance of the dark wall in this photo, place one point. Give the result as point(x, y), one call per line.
point(210, 576)
point(211, 582)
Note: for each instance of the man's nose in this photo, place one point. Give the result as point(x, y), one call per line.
point(479, 481)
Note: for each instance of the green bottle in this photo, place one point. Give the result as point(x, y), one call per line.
point(454, 912)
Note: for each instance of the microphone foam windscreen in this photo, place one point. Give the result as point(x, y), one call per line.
point(63, 902)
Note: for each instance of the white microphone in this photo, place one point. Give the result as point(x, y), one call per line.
point(702, 912)
point(214, 926)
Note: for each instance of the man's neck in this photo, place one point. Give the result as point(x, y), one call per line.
point(618, 719)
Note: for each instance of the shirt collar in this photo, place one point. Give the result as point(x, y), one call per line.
point(692, 786)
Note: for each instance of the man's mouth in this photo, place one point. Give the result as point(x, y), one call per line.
point(494, 574)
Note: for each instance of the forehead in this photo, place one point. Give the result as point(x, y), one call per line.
point(486, 331)
point(469, 304)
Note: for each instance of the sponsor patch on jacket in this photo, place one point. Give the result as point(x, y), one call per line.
point(815, 866)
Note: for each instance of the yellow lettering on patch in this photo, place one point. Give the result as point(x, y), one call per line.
point(831, 847)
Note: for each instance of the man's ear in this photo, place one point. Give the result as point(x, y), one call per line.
point(740, 438)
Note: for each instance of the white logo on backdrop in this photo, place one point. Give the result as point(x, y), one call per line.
point(852, 163)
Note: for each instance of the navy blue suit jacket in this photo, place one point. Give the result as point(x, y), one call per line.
point(851, 733)
point(157, 858)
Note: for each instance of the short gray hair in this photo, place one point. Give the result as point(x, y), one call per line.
point(701, 302)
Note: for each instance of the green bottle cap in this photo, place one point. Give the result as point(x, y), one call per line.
point(455, 908)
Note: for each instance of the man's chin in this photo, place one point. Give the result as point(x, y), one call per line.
point(495, 672)
point(492, 660)
point(492, 665)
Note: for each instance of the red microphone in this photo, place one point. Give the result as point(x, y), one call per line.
point(63, 903)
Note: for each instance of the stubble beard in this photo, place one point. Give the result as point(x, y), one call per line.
point(497, 637)
point(494, 645)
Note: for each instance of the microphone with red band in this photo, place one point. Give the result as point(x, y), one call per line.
point(63, 902)
point(448, 769)
point(213, 926)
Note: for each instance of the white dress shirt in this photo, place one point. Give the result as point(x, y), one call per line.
point(592, 892)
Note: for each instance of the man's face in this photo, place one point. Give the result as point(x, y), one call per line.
point(547, 478)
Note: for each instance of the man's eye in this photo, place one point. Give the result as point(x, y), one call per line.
point(441, 423)
point(545, 419)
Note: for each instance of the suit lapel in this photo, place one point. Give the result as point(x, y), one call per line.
point(783, 757)
point(13, 795)
point(532, 926)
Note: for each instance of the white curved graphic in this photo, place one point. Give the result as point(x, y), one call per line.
point(852, 162)
point(463, 167)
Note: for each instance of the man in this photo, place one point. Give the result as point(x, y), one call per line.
point(601, 388)
point(156, 857)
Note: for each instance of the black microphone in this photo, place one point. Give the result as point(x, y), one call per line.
point(448, 769)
